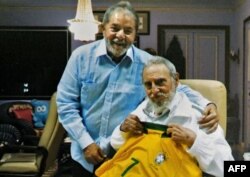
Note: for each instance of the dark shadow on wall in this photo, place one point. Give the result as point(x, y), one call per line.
point(175, 55)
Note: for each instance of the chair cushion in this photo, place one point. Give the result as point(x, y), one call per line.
point(18, 162)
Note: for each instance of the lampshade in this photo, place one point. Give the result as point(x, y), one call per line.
point(84, 26)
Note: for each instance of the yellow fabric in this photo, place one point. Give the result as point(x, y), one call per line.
point(214, 91)
point(137, 158)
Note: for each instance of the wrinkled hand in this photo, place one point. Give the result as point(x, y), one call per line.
point(181, 135)
point(94, 154)
point(210, 119)
point(132, 124)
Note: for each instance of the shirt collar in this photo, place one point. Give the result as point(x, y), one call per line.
point(102, 50)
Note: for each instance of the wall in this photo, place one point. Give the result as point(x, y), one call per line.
point(55, 13)
point(242, 13)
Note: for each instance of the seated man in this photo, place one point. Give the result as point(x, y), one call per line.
point(172, 143)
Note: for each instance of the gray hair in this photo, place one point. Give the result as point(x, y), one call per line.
point(122, 5)
point(156, 60)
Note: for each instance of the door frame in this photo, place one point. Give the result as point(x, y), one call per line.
point(245, 130)
point(161, 44)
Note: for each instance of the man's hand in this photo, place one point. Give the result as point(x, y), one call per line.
point(210, 119)
point(181, 135)
point(94, 154)
point(132, 124)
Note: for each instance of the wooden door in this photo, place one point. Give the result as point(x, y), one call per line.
point(246, 81)
point(204, 49)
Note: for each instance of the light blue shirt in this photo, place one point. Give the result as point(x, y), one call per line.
point(95, 95)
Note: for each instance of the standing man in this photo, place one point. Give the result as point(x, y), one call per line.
point(102, 84)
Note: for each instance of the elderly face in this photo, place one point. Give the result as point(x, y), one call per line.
point(119, 32)
point(159, 85)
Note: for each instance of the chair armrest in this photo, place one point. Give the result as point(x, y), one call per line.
point(22, 148)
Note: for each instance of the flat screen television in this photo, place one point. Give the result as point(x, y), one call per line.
point(32, 60)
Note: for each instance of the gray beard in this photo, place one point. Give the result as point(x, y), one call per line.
point(160, 107)
point(114, 52)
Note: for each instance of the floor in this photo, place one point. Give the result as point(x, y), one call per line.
point(238, 150)
point(60, 168)
point(51, 172)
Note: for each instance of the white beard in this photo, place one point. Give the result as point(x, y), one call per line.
point(160, 107)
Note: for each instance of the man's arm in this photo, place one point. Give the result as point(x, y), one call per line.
point(118, 138)
point(210, 150)
point(68, 104)
point(210, 119)
point(130, 126)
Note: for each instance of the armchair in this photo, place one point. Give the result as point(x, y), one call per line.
point(20, 161)
point(214, 91)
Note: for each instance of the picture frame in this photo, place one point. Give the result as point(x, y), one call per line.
point(98, 15)
point(144, 20)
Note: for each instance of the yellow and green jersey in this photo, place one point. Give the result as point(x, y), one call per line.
point(152, 154)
